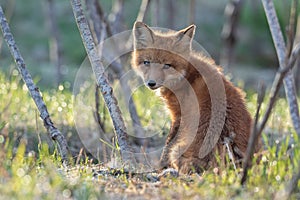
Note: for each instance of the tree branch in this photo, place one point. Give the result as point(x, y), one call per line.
point(287, 58)
point(253, 136)
point(281, 73)
point(291, 29)
point(97, 17)
point(33, 90)
point(106, 89)
point(282, 55)
point(257, 129)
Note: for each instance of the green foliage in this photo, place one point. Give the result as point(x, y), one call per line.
point(31, 169)
point(19, 117)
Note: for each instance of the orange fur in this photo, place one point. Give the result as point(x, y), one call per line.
point(167, 62)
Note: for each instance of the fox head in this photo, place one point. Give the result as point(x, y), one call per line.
point(160, 58)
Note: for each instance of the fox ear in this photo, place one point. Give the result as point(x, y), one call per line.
point(142, 35)
point(186, 34)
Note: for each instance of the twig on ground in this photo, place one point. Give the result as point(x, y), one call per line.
point(227, 142)
point(79, 156)
point(33, 90)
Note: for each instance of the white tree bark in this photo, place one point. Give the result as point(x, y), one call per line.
point(98, 18)
point(143, 9)
point(106, 89)
point(33, 90)
point(289, 84)
point(257, 130)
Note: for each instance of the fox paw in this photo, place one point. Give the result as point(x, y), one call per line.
point(168, 173)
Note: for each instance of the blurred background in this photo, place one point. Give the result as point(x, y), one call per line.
point(36, 24)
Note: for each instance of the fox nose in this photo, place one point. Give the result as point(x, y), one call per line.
point(151, 83)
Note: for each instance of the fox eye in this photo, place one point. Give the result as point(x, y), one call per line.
point(167, 66)
point(146, 62)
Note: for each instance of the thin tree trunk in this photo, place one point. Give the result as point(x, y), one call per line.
point(143, 9)
point(297, 68)
point(297, 77)
point(106, 89)
point(155, 13)
point(228, 35)
point(100, 122)
point(287, 58)
point(9, 9)
point(33, 90)
point(116, 16)
point(289, 84)
point(170, 7)
point(97, 18)
point(192, 9)
point(258, 128)
point(55, 49)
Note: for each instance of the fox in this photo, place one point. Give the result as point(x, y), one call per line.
point(208, 113)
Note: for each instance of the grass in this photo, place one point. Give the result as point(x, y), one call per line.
point(31, 169)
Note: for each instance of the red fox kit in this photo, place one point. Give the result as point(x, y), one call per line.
point(206, 109)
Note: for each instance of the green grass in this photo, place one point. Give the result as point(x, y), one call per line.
point(31, 169)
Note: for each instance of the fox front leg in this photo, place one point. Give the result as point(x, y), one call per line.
point(171, 139)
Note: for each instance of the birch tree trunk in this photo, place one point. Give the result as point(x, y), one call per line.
point(55, 50)
point(170, 8)
point(289, 84)
point(192, 11)
point(55, 134)
point(155, 13)
point(257, 129)
point(287, 57)
point(98, 18)
point(9, 10)
point(143, 9)
point(106, 89)
point(228, 35)
point(116, 16)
